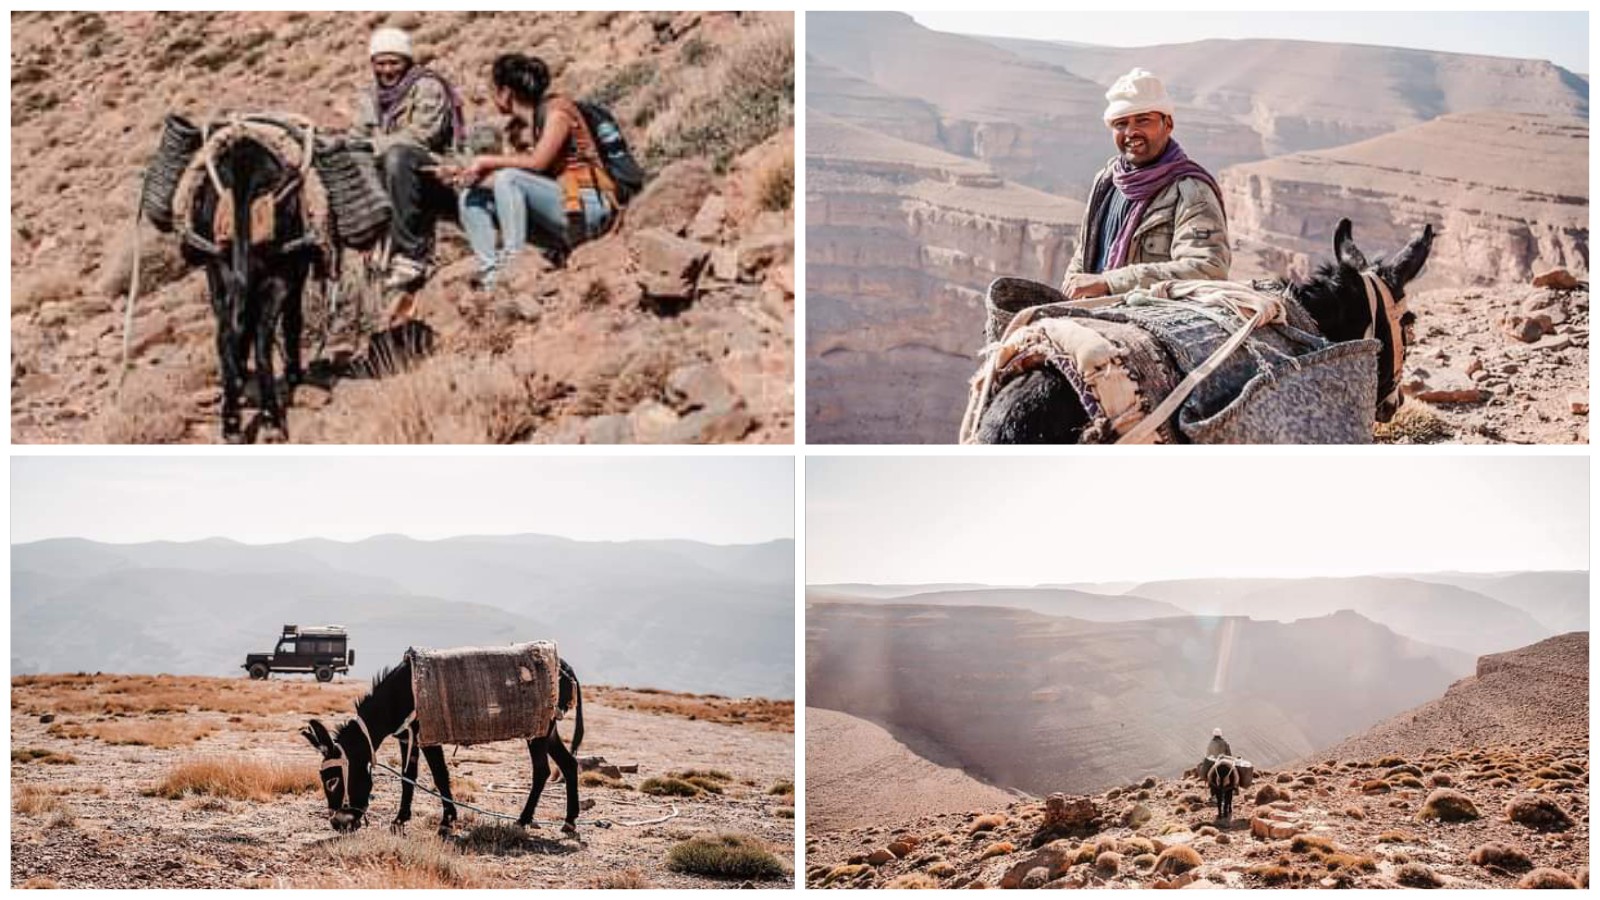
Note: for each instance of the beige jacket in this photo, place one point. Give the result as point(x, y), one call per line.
point(1182, 237)
point(424, 120)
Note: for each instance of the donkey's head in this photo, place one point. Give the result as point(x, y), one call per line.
point(1352, 298)
point(346, 772)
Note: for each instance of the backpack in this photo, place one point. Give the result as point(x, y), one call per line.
point(615, 154)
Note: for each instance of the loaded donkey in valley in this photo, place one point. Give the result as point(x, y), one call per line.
point(461, 697)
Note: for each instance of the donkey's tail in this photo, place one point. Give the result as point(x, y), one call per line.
point(577, 721)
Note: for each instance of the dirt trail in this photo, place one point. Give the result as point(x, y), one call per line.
point(95, 828)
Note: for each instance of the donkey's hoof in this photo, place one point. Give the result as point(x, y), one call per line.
point(398, 826)
point(233, 437)
point(273, 434)
point(570, 828)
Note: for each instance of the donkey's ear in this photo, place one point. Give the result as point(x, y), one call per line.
point(317, 735)
point(1345, 249)
point(1408, 262)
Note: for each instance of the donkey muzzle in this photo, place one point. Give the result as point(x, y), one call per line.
point(345, 821)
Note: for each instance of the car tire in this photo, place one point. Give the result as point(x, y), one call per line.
point(324, 674)
point(258, 671)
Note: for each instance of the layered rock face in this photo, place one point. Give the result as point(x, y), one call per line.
point(901, 242)
point(1508, 193)
point(1044, 703)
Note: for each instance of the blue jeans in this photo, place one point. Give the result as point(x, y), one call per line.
point(522, 202)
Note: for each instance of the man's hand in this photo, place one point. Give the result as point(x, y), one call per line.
point(1078, 286)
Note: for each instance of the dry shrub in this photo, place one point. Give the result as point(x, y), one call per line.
point(240, 778)
point(32, 800)
point(1308, 843)
point(629, 879)
point(494, 838)
point(453, 400)
point(1505, 856)
point(1417, 875)
point(1538, 813)
point(998, 848)
point(748, 98)
point(160, 264)
point(1108, 863)
point(1396, 837)
point(376, 858)
point(942, 869)
point(39, 754)
point(775, 191)
point(40, 883)
point(784, 788)
point(1176, 860)
point(669, 787)
point(598, 779)
point(726, 855)
point(986, 823)
point(1448, 805)
point(1414, 423)
point(1545, 878)
point(1276, 875)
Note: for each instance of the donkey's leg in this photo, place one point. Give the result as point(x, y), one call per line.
point(540, 754)
point(293, 323)
point(408, 766)
point(228, 362)
point(266, 332)
point(441, 780)
point(569, 774)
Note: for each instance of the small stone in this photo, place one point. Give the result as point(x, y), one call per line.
point(1526, 329)
point(707, 224)
point(879, 856)
point(1579, 405)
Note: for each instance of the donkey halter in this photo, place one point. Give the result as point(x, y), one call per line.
point(1393, 311)
point(342, 762)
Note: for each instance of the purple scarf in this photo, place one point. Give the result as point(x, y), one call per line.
point(389, 99)
point(1143, 183)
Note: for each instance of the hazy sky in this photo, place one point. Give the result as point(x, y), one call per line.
point(1032, 520)
point(1561, 37)
point(721, 499)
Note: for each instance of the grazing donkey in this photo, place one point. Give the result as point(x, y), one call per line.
point(390, 708)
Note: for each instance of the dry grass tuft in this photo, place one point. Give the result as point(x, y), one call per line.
point(986, 823)
point(375, 858)
point(1448, 805)
point(452, 400)
point(39, 754)
point(143, 733)
point(151, 408)
point(751, 97)
point(772, 715)
point(1547, 878)
point(1176, 860)
point(83, 694)
point(239, 778)
point(998, 848)
point(669, 787)
point(783, 788)
point(1417, 875)
point(32, 800)
point(775, 192)
point(726, 855)
point(1505, 856)
point(1414, 423)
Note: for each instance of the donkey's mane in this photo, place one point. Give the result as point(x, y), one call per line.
point(385, 691)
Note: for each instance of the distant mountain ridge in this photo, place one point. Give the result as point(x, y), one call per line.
point(678, 615)
point(1045, 703)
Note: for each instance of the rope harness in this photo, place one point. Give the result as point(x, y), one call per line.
point(1236, 307)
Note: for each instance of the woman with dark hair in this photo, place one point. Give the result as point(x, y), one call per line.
point(550, 184)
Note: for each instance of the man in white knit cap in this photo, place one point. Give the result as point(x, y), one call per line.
point(1153, 213)
point(411, 114)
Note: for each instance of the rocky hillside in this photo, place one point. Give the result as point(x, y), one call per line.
point(1507, 192)
point(619, 346)
point(1539, 692)
point(902, 241)
point(857, 774)
point(1041, 703)
point(1455, 808)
